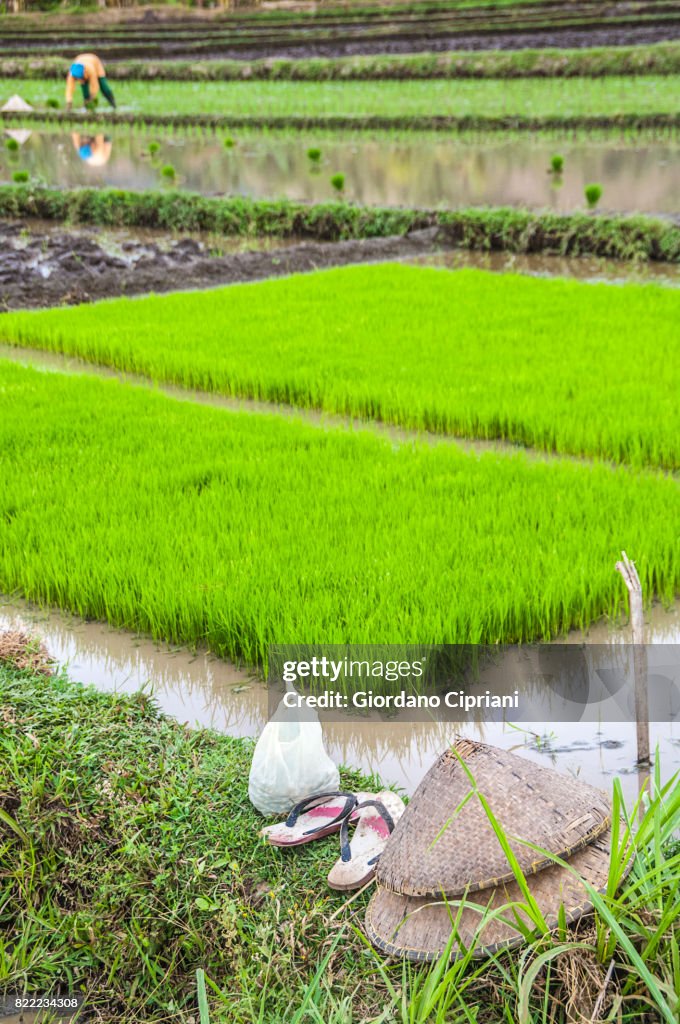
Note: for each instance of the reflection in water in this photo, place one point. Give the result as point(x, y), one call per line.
point(94, 150)
point(417, 169)
point(201, 689)
point(581, 268)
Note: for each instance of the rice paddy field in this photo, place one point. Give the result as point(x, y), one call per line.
point(373, 29)
point(561, 366)
point(198, 524)
point(640, 170)
point(493, 97)
point(373, 451)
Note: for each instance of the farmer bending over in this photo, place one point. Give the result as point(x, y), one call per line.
point(88, 71)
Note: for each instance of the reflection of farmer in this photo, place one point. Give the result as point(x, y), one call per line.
point(95, 150)
point(88, 71)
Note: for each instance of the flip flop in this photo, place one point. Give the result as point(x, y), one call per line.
point(375, 820)
point(313, 818)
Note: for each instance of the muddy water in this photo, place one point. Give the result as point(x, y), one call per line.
point(412, 170)
point(578, 268)
point(200, 689)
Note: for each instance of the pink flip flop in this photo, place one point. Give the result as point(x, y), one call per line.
point(375, 818)
point(313, 818)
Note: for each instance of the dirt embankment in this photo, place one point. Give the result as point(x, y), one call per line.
point(67, 267)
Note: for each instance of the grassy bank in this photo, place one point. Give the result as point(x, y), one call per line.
point(129, 860)
point(583, 97)
point(192, 523)
point(563, 366)
point(503, 229)
point(659, 126)
point(655, 59)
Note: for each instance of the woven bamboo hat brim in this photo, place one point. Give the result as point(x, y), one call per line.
point(419, 928)
point(445, 843)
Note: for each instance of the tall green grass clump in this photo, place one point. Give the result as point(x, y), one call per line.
point(593, 194)
point(384, 544)
point(584, 369)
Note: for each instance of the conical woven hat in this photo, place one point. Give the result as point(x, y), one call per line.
point(419, 928)
point(445, 842)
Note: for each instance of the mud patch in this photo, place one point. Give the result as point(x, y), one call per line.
point(66, 268)
point(42, 266)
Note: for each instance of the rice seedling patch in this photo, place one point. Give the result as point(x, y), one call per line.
point(192, 523)
point(610, 96)
point(559, 365)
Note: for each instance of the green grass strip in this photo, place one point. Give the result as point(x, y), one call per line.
point(528, 98)
point(193, 523)
point(655, 59)
point(142, 863)
point(502, 229)
point(659, 125)
point(558, 365)
point(131, 865)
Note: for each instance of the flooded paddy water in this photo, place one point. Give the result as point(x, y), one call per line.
point(197, 688)
point(640, 174)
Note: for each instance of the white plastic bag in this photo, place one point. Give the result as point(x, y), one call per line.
point(290, 762)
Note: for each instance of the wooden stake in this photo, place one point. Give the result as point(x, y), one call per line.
point(637, 622)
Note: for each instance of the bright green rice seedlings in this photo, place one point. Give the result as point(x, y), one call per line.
point(593, 194)
point(314, 154)
point(556, 164)
point(11, 145)
point(168, 172)
point(268, 530)
point(52, 103)
point(228, 142)
point(586, 369)
point(264, 529)
point(538, 97)
point(154, 148)
point(338, 182)
point(20, 177)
